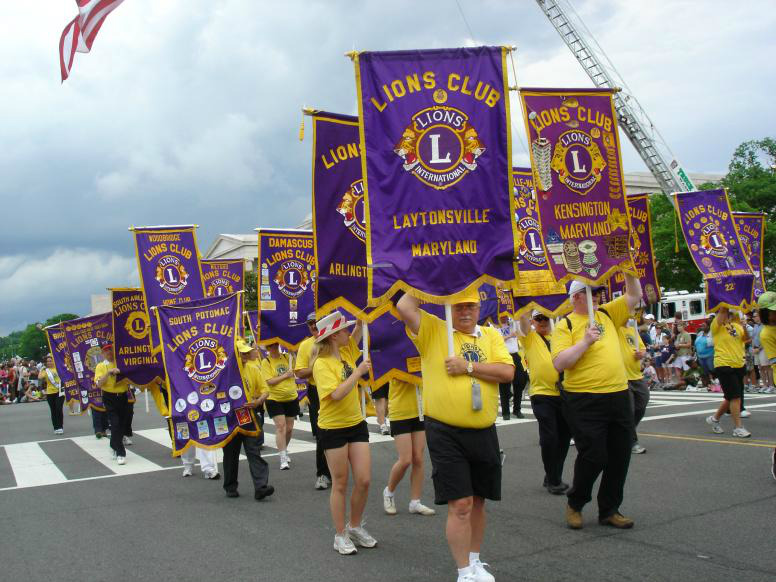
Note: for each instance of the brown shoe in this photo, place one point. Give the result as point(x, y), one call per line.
point(573, 518)
point(617, 520)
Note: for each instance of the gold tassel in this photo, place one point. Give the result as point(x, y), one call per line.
point(301, 128)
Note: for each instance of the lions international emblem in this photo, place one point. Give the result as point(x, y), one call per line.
point(712, 241)
point(171, 274)
point(137, 325)
point(219, 287)
point(578, 161)
point(205, 360)
point(440, 146)
point(351, 207)
point(293, 278)
point(530, 242)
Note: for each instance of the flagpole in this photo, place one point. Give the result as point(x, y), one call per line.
point(589, 297)
point(365, 356)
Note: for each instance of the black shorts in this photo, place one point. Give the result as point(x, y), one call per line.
point(466, 461)
point(276, 408)
point(334, 438)
point(406, 426)
point(381, 392)
point(731, 380)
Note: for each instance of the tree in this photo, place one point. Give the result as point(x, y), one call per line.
point(31, 343)
point(251, 290)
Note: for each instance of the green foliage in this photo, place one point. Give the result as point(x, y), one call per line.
point(31, 342)
point(251, 290)
point(674, 271)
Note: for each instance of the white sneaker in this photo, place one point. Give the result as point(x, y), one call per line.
point(127, 441)
point(113, 455)
point(212, 475)
point(572, 443)
point(637, 449)
point(188, 471)
point(480, 573)
point(715, 427)
point(284, 466)
point(59, 431)
point(320, 483)
point(745, 414)
point(327, 481)
point(343, 545)
point(360, 536)
point(385, 429)
point(121, 460)
point(420, 509)
point(467, 578)
point(741, 433)
point(389, 504)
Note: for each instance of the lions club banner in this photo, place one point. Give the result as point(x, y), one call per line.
point(538, 288)
point(206, 392)
point(57, 343)
point(578, 178)
point(391, 352)
point(169, 266)
point(711, 236)
point(131, 329)
point(85, 338)
point(286, 286)
point(223, 277)
point(435, 133)
point(339, 218)
point(641, 250)
point(751, 231)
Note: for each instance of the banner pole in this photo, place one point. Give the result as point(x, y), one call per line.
point(365, 356)
point(589, 297)
point(449, 322)
point(148, 409)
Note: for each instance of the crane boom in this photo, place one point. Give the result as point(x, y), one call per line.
point(632, 118)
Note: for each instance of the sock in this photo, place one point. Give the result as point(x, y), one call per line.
point(388, 493)
point(464, 571)
point(414, 502)
point(474, 557)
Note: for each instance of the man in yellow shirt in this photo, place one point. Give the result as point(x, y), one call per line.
point(114, 397)
point(460, 404)
point(554, 431)
point(597, 401)
point(304, 371)
point(632, 353)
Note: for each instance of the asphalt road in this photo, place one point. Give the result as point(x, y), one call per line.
point(704, 507)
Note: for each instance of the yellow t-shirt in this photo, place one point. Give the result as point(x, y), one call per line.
point(630, 341)
point(284, 391)
point(253, 380)
point(43, 377)
point(329, 372)
point(402, 400)
point(110, 384)
point(728, 343)
point(447, 398)
point(600, 369)
point(303, 357)
point(768, 341)
point(538, 359)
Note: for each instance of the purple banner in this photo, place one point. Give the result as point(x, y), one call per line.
point(641, 250)
point(131, 329)
point(575, 154)
point(536, 288)
point(712, 238)
point(286, 286)
point(494, 302)
point(57, 343)
point(223, 277)
point(751, 231)
point(169, 267)
point(204, 373)
point(85, 338)
point(253, 322)
point(391, 352)
point(436, 158)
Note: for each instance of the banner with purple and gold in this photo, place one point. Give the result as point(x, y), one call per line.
point(85, 338)
point(538, 288)
point(711, 236)
point(579, 182)
point(57, 343)
point(391, 352)
point(641, 250)
point(204, 373)
point(287, 280)
point(131, 330)
point(169, 266)
point(436, 161)
point(751, 232)
point(223, 277)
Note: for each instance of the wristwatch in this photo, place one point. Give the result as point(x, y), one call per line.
point(470, 368)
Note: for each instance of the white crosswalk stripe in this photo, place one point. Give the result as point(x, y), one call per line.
point(31, 465)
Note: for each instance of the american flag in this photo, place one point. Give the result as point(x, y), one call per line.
point(80, 33)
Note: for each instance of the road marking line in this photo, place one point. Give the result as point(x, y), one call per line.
point(748, 443)
point(104, 454)
point(31, 466)
point(696, 412)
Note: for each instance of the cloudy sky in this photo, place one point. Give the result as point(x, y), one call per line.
point(188, 111)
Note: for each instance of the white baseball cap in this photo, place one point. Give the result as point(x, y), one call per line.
point(577, 286)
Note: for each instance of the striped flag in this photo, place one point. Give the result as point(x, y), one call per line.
point(80, 33)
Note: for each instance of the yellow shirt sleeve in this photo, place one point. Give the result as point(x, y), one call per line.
point(618, 310)
point(768, 341)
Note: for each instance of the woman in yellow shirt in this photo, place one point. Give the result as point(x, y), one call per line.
point(55, 394)
point(342, 430)
point(282, 405)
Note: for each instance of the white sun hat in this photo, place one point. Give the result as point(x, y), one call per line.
point(330, 324)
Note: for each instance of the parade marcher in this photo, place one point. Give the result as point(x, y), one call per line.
point(380, 399)
point(207, 462)
point(729, 341)
point(409, 435)
point(460, 404)
point(767, 309)
point(516, 384)
point(763, 362)
point(282, 405)
point(342, 428)
point(633, 352)
point(256, 391)
point(55, 394)
point(304, 371)
point(554, 431)
point(596, 399)
point(114, 397)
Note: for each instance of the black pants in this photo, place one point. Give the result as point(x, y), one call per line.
point(258, 466)
point(516, 386)
point(602, 425)
point(127, 429)
point(554, 435)
point(321, 468)
point(117, 408)
point(100, 421)
point(56, 402)
point(639, 392)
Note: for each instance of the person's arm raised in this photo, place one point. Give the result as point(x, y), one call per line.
point(409, 311)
